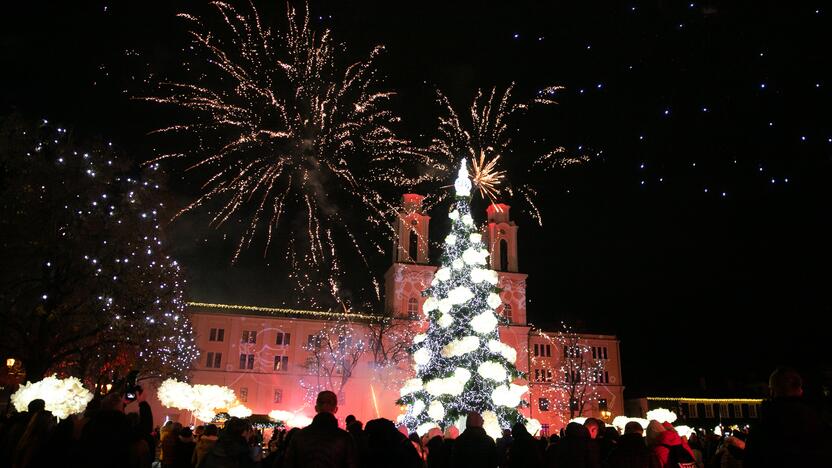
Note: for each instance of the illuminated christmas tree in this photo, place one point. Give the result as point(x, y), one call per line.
point(461, 364)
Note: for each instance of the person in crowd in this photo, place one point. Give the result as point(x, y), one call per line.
point(608, 441)
point(232, 447)
point(31, 450)
point(322, 443)
point(280, 454)
point(349, 420)
point(199, 431)
point(204, 444)
point(435, 452)
point(695, 445)
point(13, 430)
point(168, 443)
point(183, 449)
point(448, 441)
point(667, 448)
point(524, 450)
point(572, 451)
point(595, 427)
point(790, 431)
point(474, 448)
point(503, 443)
point(731, 453)
point(356, 430)
point(631, 450)
point(417, 445)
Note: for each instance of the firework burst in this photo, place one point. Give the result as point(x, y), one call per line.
point(283, 131)
point(486, 141)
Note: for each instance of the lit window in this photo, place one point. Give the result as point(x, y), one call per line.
point(243, 394)
point(282, 338)
point(507, 313)
point(278, 395)
point(281, 363)
point(412, 307)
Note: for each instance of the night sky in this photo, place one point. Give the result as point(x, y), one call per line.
point(700, 235)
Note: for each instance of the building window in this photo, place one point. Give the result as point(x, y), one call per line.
point(738, 410)
point(503, 255)
point(507, 312)
point(313, 342)
point(249, 336)
point(536, 350)
point(413, 246)
point(214, 360)
point(243, 394)
point(723, 410)
point(548, 350)
point(543, 404)
point(693, 410)
point(412, 308)
point(752, 411)
point(605, 352)
point(544, 430)
point(606, 377)
point(281, 363)
point(282, 338)
point(594, 352)
point(548, 375)
point(709, 411)
point(572, 351)
point(246, 361)
point(537, 375)
point(278, 395)
point(217, 334)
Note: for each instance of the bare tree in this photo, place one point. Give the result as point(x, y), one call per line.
point(334, 353)
point(579, 372)
point(389, 342)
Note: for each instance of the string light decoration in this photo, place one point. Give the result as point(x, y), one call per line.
point(456, 370)
point(280, 126)
point(570, 383)
point(389, 342)
point(101, 294)
point(204, 401)
point(486, 141)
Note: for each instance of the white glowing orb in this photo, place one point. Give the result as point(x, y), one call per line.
point(421, 356)
point(62, 397)
point(436, 410)
point(580, 420)
point(410, 386)
point(473, 256)
point(491, 424)
point(445, 320)
point(424, 428)
point(450, 239)
point(454, 215)
point(443, 274)
point(497, 346)
point(458, 264)
point(430, 304)
point(492, 370)
point(494, 301)
point(460, 295)
point(460, 346)
point(445, 305)
point(417, 408)
point(484, 323)
point(239, 411)
point(467, 220)
point(419, 338)
point(533, 426)
point(684, 431)
point(661, 415)
point(475, 237)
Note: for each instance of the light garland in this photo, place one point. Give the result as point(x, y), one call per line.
point(436, 410)
point(62, 397)
point(494, 300)
point(509, 353)
point(485, 323)
point(279, 310)
point(460, 347)
point(492, 370)
point(239, 411)
point(421, 356)
point(201, 400)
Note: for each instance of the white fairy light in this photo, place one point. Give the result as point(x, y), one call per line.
point(484, 323)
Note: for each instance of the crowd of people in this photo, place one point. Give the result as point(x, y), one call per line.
point(790, 434)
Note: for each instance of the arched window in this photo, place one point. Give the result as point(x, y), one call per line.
point(413, 246)
point(503, 255)
point(413, 307)
point(507, 312)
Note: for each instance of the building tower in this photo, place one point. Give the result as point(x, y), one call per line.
point(500, 234)
point(410, 273)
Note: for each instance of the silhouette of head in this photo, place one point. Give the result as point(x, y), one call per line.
point(36, 405)
point(327, 402)
point(633, 427)
point(474, 420)
point(593, 427)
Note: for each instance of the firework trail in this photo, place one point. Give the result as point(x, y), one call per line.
point(486, 141)
point(285, 133)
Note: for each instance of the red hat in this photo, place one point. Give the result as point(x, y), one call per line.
point(668, 426)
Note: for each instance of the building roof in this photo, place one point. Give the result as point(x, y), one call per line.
point(277, 312)
point(705, 400)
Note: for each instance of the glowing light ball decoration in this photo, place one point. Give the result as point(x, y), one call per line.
point(63, 397)
point(661, 415)
point(461, 364)
point(201, 400)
